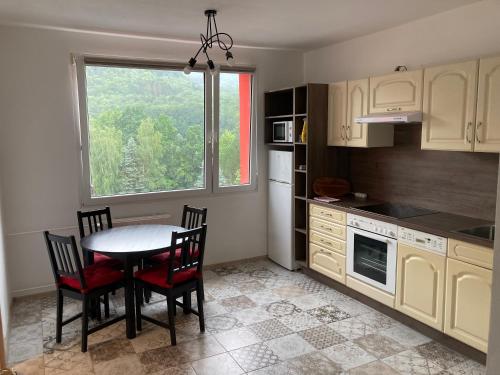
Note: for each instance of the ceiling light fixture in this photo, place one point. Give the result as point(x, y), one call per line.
point(223, 40)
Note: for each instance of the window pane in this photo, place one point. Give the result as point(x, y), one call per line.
point(234, 128)
point(146, 130)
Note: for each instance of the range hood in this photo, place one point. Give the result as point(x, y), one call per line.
point(390, 118)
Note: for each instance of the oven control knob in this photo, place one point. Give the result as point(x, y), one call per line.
point(356, 224)
point(392, 233)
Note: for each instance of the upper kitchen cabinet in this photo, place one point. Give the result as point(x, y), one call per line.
point(364, 135)
point(337, 113)
point(449, 107)
point(398, 92)
point(487, 137)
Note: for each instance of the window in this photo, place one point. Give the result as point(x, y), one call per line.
point(149, 130)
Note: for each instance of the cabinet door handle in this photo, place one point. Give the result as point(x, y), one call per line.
point(348, 129)
point(393, 109)
point(342, 132)
point(467, 131)
point(479, 124)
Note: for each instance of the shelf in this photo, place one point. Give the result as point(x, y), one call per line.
point(301, 171)
point(280, 116)
point(278, 144)
point(300, 144)
point(301, 230)
point(300, 115)
point(301, 197)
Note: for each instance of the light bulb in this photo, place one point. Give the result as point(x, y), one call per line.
point(215, 70)
point(187, 69)
point(229, 58)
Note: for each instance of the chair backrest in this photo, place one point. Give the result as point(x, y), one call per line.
point(192, 245)
point(64, 257)
point(193, 217)
point(94, 220)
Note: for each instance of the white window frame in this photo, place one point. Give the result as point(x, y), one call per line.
point(253, 138)
point(211, 165)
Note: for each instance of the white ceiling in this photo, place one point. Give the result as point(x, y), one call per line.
point(298, 24)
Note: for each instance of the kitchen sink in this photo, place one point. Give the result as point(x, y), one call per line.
point(485, 231)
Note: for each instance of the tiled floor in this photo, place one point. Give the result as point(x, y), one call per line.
point(260, 318)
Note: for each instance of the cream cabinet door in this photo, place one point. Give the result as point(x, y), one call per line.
point(449, 107)
point(337, 113)
point(488, 106)
point(327, 262)
point(420, 285)
point(467, 303)
point(357, 105)
point(398, 92)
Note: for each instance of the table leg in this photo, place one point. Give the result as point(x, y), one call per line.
point(129, 298)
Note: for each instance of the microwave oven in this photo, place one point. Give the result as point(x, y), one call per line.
point(283, 131)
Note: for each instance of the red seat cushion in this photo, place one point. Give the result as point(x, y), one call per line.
point(164, 257)
point(96, 276)
point(158, 276)
point(104, 260)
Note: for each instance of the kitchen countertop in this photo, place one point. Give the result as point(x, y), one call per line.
point(438, 223)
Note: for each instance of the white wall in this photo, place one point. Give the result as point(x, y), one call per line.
point(4, 286)
point(463, 33)
point(39, 151)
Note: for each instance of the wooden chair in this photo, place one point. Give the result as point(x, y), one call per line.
point(192, 217)
point(95, 223)
point(81, 283)
point(173, 279)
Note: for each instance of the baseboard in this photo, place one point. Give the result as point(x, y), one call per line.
point(32, 291)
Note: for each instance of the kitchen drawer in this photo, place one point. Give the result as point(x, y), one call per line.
point(329, 214)
point(327, 262)
point(326, 227)
point(327, 242)
point(469, 253)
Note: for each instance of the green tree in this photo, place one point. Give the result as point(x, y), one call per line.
point(132, 173)
point(150, 150)
point(106, 153)
point(229, 158)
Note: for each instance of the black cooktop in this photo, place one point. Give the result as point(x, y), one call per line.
point(397, 210)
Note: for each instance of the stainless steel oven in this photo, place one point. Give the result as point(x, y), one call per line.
point(372, 252)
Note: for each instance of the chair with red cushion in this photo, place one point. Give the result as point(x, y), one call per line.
point(82, 283)
point(174, 279)
point(192, 217)
point(93, 220)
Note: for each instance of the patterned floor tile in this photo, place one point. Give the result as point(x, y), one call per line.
point(251, 316)
point(379, 346)
point(290, 346)
point(412, 363)
point(374, 368)
point(440, 354)
point(309, 301)
point(322, 337)
point(255, 356)
point(255, 304)
point(226, 270)
point(348, 355)
point(237, 303)
point(377, 320)
point(405, 335)
point(270, 329)
point(313, 364)
point(468, 367)
point(328, 314)
point(352, 328)
point(237, 338)
point(299, 321)
point(281, 308)
point(289, 291)
point(264, 297)
point(218, 323)
point(221, 364)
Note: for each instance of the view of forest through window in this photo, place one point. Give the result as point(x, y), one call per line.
point(147, 130)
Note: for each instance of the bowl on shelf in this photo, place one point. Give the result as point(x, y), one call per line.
point(331, 187)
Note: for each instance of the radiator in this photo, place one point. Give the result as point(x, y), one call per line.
point(136, 220)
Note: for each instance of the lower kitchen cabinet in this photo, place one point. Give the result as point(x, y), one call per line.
point(467, 305)
point(327, 262)
point(420, 285)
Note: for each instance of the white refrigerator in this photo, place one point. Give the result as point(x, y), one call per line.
point(279, 212)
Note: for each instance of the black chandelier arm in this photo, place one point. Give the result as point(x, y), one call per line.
point(207, 43)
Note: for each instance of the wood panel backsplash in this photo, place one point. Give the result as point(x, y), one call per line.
point(462, 183)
